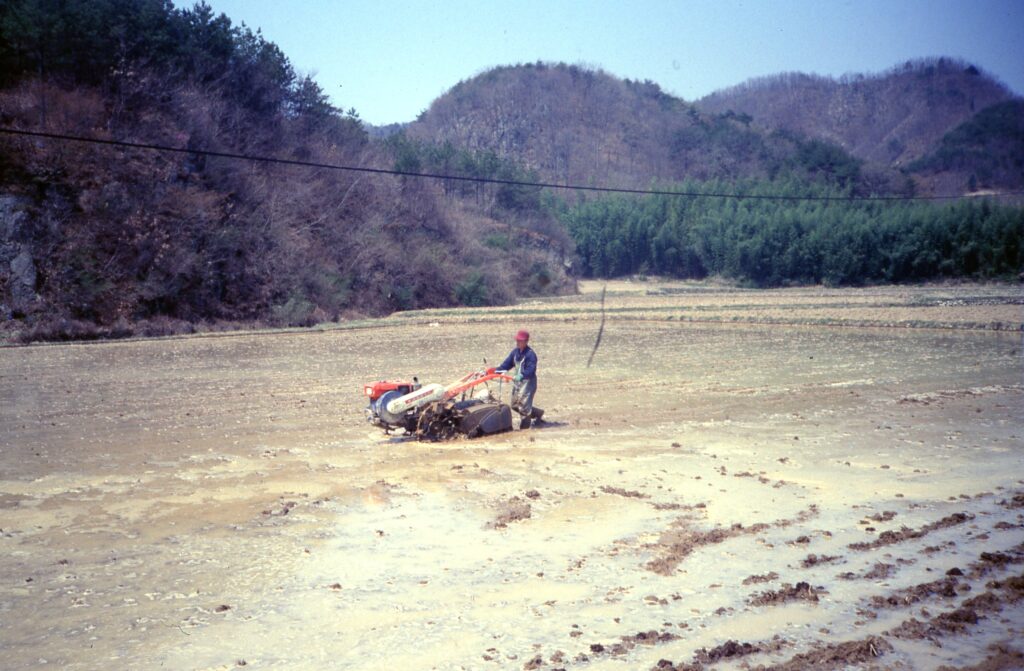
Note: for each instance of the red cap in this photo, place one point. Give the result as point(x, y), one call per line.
point(522, 335)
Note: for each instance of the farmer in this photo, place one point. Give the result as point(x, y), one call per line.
point(521, 363)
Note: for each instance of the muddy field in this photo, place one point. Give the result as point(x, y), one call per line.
point(793, 479)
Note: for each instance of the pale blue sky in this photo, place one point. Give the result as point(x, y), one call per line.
point(389, 59)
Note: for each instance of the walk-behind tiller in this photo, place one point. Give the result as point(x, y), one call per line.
point(437, 412)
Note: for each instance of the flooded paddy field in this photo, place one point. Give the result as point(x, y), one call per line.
point(793, 479)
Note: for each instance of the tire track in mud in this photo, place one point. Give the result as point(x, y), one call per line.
point(681, 540)
point(956, 619)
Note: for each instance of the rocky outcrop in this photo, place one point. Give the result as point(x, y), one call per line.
point(17, 267)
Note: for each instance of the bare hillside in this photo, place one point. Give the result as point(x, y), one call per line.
point(571, 124)
point(893, 117)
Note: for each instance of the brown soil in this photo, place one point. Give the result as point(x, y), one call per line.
point(619, 491)
point(1016, 501)
point(1014, 586)
point(999, 559)
point(801, 591)
point(1000, 658)
point(946, 587)
point(837, 655)
point(880, 571)
point(958, 620)
point(951, 622)
point(631, 641)
point(511, 510)
point(906, 533)
point(678, 543)
point(766, 577)
point(730, 650)
point(814, 560)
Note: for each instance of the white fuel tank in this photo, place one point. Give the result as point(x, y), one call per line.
point(426, 394)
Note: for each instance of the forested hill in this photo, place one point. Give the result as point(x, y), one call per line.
point(893, 117)
point(572, 124)
point(984, 152)
point(576, 125)
point(96, 241)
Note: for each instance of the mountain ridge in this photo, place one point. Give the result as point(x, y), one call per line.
point(891, 116)
point(574, 124)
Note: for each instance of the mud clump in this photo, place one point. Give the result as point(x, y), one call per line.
point(1014, 585)
point(765, 577)
point(727, 650)
point(951, 622)
point(946, 587)
point(1017, 501)
point(285, 508)
point(628, 493)
point(512, 510)
point(997, 558)
point(810, 513)
point(880, 571)
point(906, 533)
point(948, 521)
point(892, 537)
point(627, 643)
point(677, 543)
point(814, 560)
point(801, 591)
point(648, 638)
point(837, 655)
point(1001, 658)
point(631, 641)
point(957, 621)
point(883, 516)
point(988, 562)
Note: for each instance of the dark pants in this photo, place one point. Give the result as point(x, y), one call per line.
point(522, 396)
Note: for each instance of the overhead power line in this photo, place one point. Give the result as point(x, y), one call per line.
point(462, 178)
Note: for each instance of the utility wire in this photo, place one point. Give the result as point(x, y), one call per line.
point(463, 178)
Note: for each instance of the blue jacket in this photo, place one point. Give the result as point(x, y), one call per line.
point(528, 358)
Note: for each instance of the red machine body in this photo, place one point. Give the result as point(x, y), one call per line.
point(375, 390)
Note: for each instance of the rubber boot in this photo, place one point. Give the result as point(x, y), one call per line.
point(525, 423)
point(537, 414)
